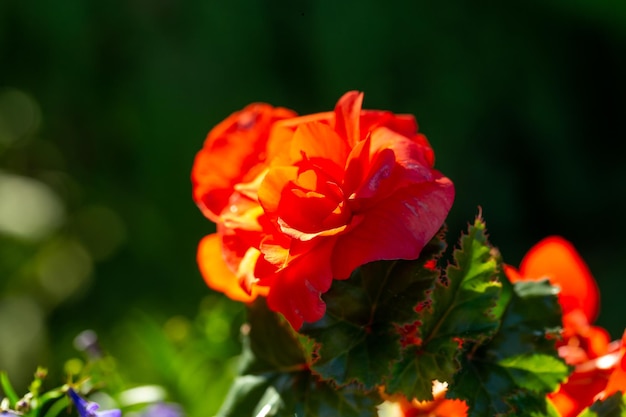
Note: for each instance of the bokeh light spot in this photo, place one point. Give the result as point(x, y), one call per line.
point(19, 115)
point(63, 268)
point(217, 328)
point(142, 394)
point(22, 333)
point(73, 366)
point(177, 328)
point(29, 209)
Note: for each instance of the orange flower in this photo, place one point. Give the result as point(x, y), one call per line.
point(233, 152)
point(617, 379)
point(440, 406)
point(318, 196)
point(556, 259)
point(596, 361)
point(593, 379)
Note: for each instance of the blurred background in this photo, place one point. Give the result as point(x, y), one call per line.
point(103, 106)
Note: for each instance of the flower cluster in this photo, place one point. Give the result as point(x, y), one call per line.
point(599, 364)
point(300, 201)
point(348, 204)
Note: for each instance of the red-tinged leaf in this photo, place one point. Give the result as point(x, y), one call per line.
point(358, 339)
point(459, 310)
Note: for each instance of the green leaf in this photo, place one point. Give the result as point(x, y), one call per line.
point(535, 372)
point(460, 310)
point(613, 406)
point(420, 366)
point(7, 388)
point(532, 320)
point(294, 394)
point(462, 304)
point(533, 406)
point(515, 386)
point(512, 373)
point(358, 338)
point(269, 344)
point(57, 408)
point(275, 379)
point(43, 401)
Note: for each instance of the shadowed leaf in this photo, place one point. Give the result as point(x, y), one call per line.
point(613, 406)
point(358, 339)
point(512, 373)
point(275, 379)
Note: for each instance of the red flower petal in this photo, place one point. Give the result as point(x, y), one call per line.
point(403, 124)
point(512, 273)
point(589, 341)
point(397, 228)
point(347, 116)
point(556, 259)
point(384, 162)
point(304, 199)
point(296, 290)
point(617, 380)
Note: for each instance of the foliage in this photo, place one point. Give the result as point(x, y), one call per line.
point(392, 330)
point(473, 329)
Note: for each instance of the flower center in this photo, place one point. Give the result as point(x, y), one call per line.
point(312, 203)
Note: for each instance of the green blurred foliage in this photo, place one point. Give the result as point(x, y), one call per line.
point(104, 104)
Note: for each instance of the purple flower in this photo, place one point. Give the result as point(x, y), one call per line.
point(88, 409)
point(163, 410)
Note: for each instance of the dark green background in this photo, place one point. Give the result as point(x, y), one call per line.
point(524, 103)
